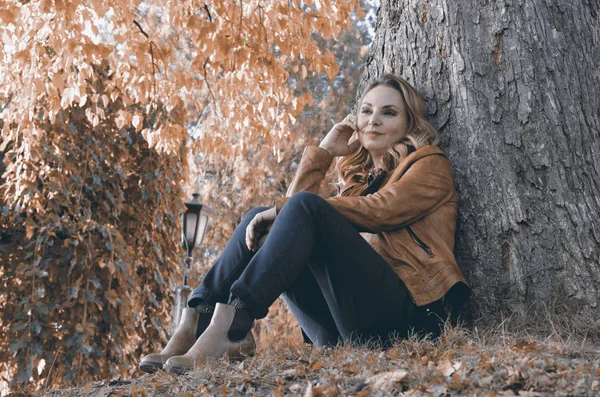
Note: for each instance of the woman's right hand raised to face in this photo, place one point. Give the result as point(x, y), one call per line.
point(336, 140)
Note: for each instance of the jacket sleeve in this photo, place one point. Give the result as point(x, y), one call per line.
point(311, 171)
point(423, 188)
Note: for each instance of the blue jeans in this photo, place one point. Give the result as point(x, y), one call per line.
point(335, 284)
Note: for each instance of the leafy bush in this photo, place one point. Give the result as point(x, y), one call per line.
point(90, 228)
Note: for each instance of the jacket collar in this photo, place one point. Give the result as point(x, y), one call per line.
point(415, 156)
point(401, 168)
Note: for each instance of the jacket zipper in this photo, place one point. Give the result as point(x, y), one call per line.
point(419, 242)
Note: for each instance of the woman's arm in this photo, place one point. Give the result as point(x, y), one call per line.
point(311, 171)
point(316, 160)
point(426, 186)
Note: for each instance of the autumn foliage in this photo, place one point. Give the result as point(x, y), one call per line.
point(90, 220)
point(98, 100)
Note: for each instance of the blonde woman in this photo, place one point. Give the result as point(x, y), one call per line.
point(376, 260)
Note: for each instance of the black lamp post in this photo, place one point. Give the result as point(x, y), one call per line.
point(194, 222)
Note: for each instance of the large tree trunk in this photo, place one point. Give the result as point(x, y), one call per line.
point(514, 88)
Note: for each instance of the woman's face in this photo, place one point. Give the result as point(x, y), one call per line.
point(381, 120)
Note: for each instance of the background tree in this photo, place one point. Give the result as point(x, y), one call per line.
point(97, 97)
point(513, 88)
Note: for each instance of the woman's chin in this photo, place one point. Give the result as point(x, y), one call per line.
point(376, 148)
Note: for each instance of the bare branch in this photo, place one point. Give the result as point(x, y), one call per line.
point(208, 13)
point(136, 23)
point(154, 66)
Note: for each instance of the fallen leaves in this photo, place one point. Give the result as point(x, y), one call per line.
point(448, 367)
point(316, 366)
point(387, 380)
point(457, 365)
point(223, 390)
point(314, 391)
point(530, 393)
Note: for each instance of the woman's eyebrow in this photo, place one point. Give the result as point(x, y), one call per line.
point(385, 107)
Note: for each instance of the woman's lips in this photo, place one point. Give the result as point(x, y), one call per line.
point(373, 133)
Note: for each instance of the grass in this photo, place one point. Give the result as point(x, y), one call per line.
point(547, 357)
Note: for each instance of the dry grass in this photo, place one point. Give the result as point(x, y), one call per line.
point(492, 360)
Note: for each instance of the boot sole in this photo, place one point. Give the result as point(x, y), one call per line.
point(150, 367)
point(178, 370)
point(181, 370)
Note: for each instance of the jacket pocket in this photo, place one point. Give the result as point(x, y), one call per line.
point(419, 242)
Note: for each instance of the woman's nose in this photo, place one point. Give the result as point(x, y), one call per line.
point(374, 119)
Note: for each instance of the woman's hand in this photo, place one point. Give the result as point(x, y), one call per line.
point(336, 140)
point(258, 226)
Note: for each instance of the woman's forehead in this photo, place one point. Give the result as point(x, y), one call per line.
point(382, 96)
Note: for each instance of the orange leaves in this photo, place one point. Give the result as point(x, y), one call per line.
point(8, 12)
point(29, 231)
point(58, 81)
point(221, 50)
point(123, 119)
point(316, 366)
point(385, 381)
point(67, 98)
point(149, 135)
point(255, 43)
point(326, 30)
point(92, 117)
point(448, 367)
point(105, 100)
point(136, 121)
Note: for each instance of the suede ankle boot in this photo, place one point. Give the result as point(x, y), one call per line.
point(180, 342)
point(192, 324)
point(215, 343)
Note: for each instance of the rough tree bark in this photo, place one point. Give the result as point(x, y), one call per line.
point(513, 86)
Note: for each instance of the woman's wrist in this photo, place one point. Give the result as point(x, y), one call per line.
point(326, 148)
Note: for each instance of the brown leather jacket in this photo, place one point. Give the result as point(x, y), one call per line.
point(410, 221)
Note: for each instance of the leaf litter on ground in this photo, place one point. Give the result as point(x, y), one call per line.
point(460, 362)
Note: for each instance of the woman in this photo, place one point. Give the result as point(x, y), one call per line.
point(376, 260)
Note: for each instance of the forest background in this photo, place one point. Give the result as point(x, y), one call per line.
point(114, 112)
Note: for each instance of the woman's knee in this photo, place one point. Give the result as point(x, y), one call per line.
point(252, 213)
point(306, 199)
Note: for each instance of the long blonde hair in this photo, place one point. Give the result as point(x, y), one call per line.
point(355, 167)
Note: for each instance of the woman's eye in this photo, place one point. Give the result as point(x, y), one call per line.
point(390, 113)
point(365, 111)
